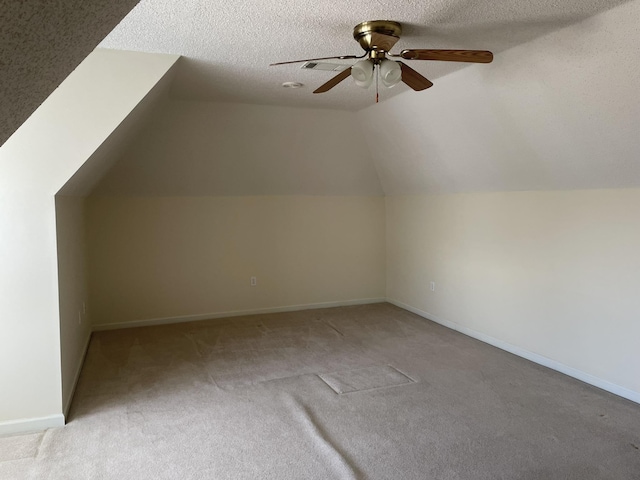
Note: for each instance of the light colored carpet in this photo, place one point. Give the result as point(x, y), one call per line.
point(367, 392)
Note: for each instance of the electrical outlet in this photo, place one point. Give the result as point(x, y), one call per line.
point(433, 286)
point(254, 281)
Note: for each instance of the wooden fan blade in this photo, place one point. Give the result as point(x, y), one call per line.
point(414, 79)
point(341, 57)
point(334, 81)
point(474, 56)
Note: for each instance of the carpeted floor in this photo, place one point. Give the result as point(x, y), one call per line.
point(366, 392)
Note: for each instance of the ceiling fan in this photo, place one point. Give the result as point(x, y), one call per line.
point(377, 38)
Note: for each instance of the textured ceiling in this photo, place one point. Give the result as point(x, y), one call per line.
point(41, 42)
point(228, 45)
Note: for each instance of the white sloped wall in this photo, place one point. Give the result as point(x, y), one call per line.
point(34, 164)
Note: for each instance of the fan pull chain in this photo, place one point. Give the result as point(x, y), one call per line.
point(377, 67)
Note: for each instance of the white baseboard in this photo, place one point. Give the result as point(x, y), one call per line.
point(235, 313)
point(31, 425)
point(67, 402)
point(521, 352)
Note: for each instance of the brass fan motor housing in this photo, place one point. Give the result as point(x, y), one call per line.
point(374, 35)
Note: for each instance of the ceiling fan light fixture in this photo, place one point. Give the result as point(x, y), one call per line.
point(362, 73)
point(390, 73)
point(377, 38)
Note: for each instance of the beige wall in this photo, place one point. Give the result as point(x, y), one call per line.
point(158, 257)
point(34, 164)
point(75, 327)
point(556, 274)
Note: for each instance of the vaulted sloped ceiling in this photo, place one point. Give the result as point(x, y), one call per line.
point(41, 42)
point(558, 113)
point(205, 148)
point(546, 114)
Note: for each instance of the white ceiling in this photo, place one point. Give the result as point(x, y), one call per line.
point(558, 112)
point(228, 45)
